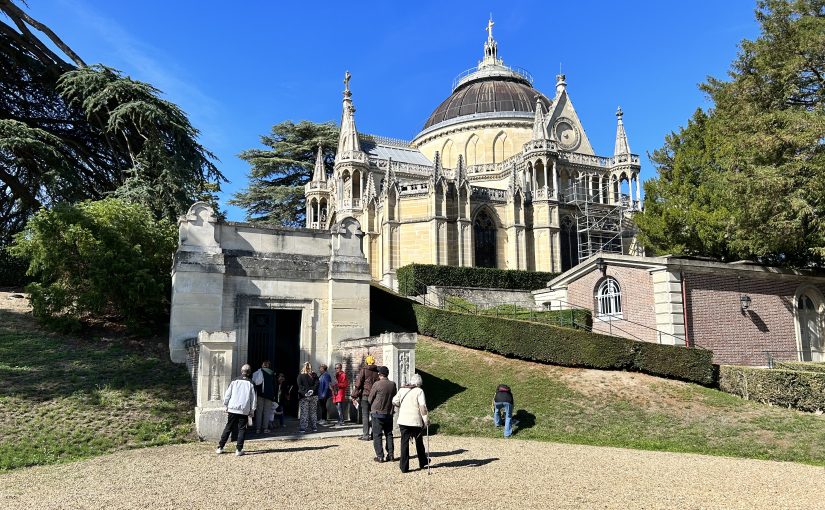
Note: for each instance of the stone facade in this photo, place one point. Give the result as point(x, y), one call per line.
point(500, 176)
point(230, 282)
point(699, 303)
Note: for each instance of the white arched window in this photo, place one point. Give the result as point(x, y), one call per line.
point(609, 300)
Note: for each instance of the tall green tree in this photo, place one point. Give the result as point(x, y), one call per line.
point(70, 132)
point(275, 194)
point(757, 157)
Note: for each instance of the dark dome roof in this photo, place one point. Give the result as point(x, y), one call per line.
point(489, 95)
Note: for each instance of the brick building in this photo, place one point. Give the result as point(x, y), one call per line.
point(745, 313)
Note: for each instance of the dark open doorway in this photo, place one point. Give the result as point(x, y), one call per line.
point(276, 335)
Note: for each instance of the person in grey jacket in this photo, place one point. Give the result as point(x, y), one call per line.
point(240, 402)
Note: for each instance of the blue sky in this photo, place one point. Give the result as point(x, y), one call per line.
point(237, 70)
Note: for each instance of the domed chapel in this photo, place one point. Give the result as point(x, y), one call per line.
point(501, 175)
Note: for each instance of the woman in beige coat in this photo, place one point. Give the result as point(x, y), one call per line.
point(412, 420)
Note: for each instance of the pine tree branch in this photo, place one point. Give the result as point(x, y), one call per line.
point(20, 19)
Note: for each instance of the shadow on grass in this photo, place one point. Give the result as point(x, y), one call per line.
point(465, 463)
point(525, 420)
point(39, 366)
point(438, 390)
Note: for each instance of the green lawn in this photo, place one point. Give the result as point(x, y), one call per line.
point(609, 408)
point(65, 398)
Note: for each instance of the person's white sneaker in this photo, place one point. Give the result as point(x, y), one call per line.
point(219, 450)
point(239, 453)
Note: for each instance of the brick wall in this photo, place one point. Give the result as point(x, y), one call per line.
point(637, 301)
point(716, 321)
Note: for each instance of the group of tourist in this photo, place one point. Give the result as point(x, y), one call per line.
point(260, 395)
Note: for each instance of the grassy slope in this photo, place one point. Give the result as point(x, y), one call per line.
point(610, 408)
point(64, 398)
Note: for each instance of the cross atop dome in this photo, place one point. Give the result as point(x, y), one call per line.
point(490, 46)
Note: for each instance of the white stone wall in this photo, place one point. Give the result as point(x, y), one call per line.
point(222, 270)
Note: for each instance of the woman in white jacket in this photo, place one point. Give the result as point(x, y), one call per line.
point(412, 419)
point(240, 402)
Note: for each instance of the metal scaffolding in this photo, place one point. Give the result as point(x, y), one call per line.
point(600, 215)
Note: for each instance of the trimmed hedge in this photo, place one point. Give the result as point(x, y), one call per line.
point(414, 278)
point(805, 366)
point(788, 388)
point(542, 343)
point(566, 318)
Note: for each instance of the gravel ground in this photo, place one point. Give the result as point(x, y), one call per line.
point(470, 472)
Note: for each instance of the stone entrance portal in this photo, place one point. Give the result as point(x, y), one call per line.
point(242, 294)
point(275, 335)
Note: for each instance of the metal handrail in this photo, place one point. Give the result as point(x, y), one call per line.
point(613, 318)
point(800, 356)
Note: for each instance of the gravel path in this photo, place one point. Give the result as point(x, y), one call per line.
point(470, 472)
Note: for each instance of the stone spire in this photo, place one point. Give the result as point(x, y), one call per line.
point(490, 47)
point(320, 173)
point(540, 122)
point(348, 141)
point(561, 85)
point(622, 147)
point(437, 169)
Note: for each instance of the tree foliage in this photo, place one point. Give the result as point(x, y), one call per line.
point(747, 179)
point(275, 194)
point(69, 132)
point(105, 258)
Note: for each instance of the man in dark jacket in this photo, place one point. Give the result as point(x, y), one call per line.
point(503, 401)
point(265, 388)
point(366, 377)
point(380, 399)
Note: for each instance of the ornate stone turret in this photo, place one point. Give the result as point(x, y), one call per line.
point(349, 146)
point(622, 147)
point(317, 193)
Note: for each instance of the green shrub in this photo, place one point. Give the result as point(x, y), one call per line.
point(12, 269)
point(805, 366)
point(787, 388)
point(414, 278)
point(106, 258)
point(543, 343)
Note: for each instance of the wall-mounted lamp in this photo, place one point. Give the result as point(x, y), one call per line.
point(601, 265)
point(745, 301)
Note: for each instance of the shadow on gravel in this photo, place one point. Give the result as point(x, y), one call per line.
point(290, 450)
point(446, 454)
point(465, 463)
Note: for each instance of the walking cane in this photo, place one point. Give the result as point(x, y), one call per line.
point(429, 459)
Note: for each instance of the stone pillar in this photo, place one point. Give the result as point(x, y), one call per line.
point(667, 299)
point(348, 293)
point(555, 181)
point(197, 279)
point(396, 351)
point(215, 362)
point(638, 191)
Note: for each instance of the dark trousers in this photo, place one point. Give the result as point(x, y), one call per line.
point(365, 417)
point(322, 406)
point(234, 421)
point(379, 425)
point(406, 434)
